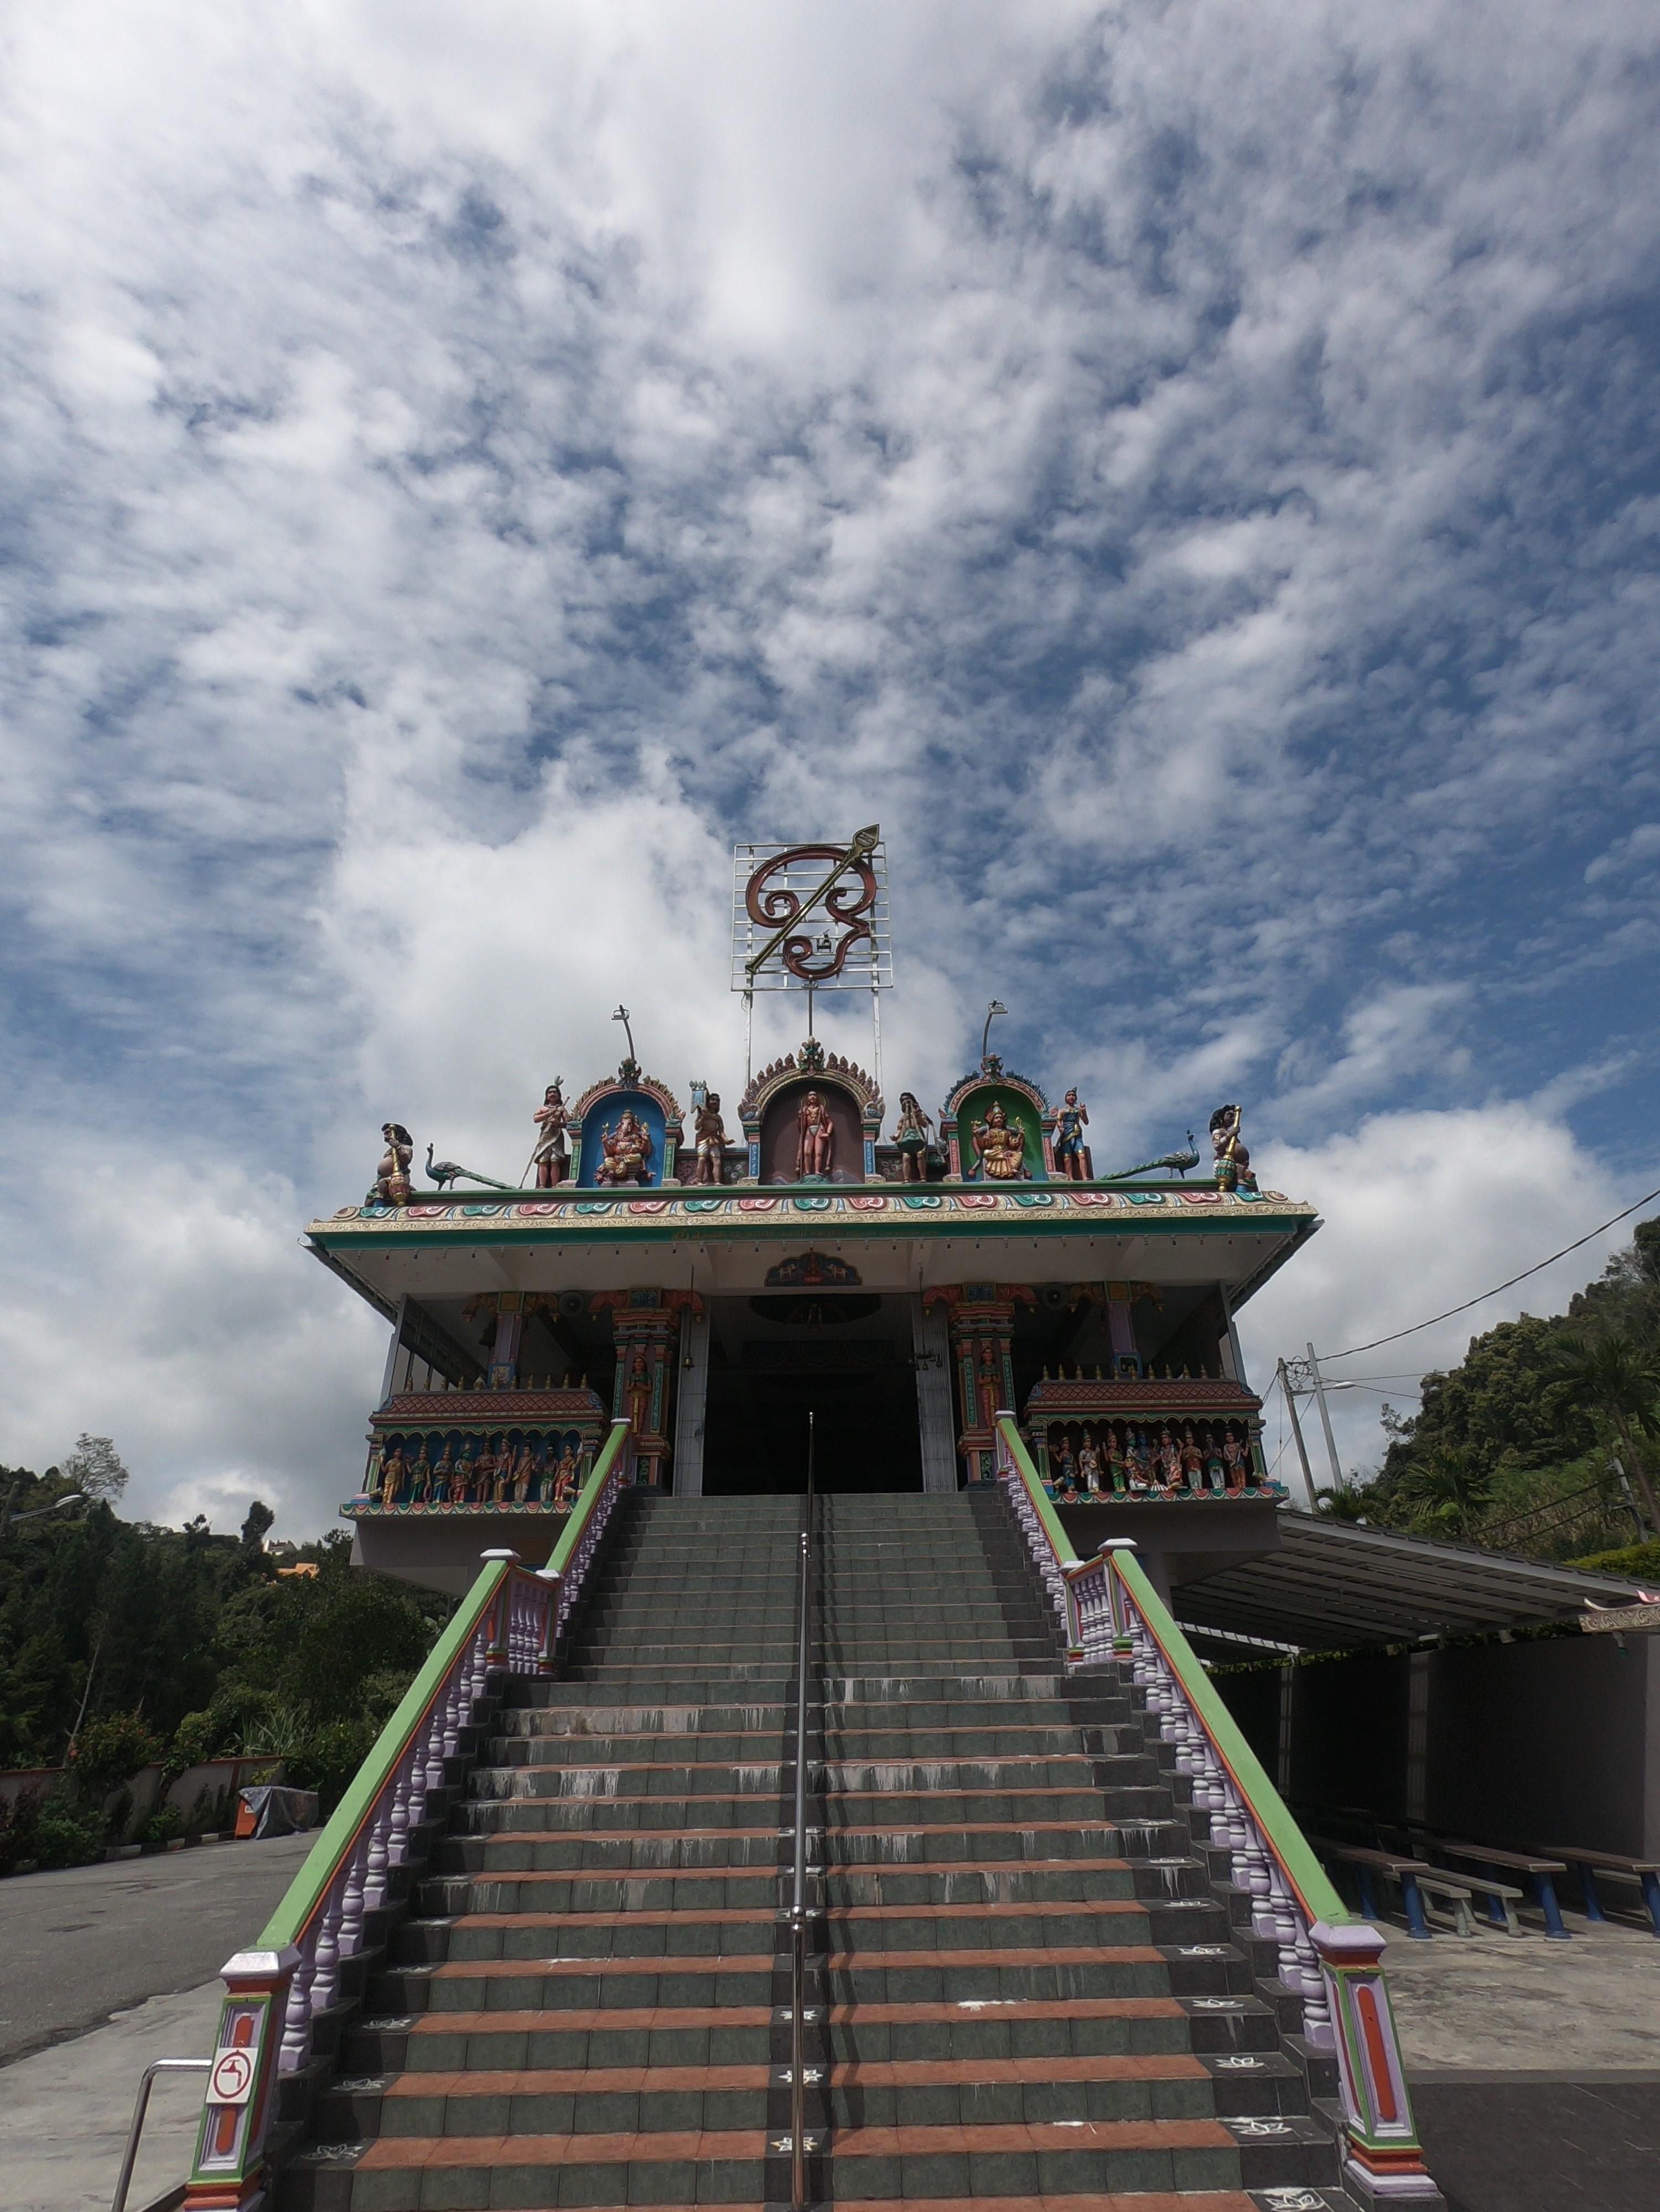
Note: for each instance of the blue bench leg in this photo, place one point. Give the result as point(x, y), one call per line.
point(1410, 1897)
point(1652, 1898)
point(1547, 1905)
point(1496, 1911)
point(1368, 1902)
point(1587, 1890)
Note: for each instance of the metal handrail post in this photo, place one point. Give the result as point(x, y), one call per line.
point(799, 1902)
point(118, 2203)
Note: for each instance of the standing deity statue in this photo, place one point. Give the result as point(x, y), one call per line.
point(1193, 1462)
point(1000, 1146)
point(552, 1158)
point(1236, 1465)
point(710, 1134)
point(815, 1138)
point(625, 1154)
point(420, 1475)
point(391, 1178)
point(1115, 1463)
point(911, 1134)
point(1069, 1125)
point(1089, 1465)
point(1066, 1468)
point(1232, 1160)
point(565, 1482)
point(392, 1474)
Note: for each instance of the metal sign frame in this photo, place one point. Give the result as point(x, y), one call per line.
point(839, 895)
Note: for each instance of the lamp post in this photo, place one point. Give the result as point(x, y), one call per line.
point(10, 1520)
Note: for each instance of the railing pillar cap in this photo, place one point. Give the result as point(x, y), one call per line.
point(1354, 1945)
point(260, 1966)
point(499, 1555)
point(1120, 1544)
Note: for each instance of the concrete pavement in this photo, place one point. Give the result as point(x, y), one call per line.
point(81, 1944)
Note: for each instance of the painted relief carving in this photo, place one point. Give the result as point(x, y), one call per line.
point(625, 1152)
point(999, 1145)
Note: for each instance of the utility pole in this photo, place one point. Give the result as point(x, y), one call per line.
point(1297, 1432)
point(1325, 1419)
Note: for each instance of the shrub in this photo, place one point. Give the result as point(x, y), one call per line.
point(1636, 1562)
point(67, 1835)
point(20, 1821)
point(161, 1826)
point(109, 1751)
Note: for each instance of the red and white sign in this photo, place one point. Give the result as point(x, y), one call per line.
point(231, 2081)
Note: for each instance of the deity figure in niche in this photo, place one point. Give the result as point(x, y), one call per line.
point(1170, 1463)
point(1215, 1473)
point(1232, 1161)
point(521, 1472)
point(1140, 1462)
point(710, 1133)
point(484, 1475)
point(539, 1471)
point(565, 1480)
point(461, 1481)
point(391, 1473)
point(1236, 1465)
point(1193, 1462)
point(815, 1140)
point(988, 1383)
point(420, 1476)
point(1065, 1465)
point(626, 1152)
point(1114, 1461)
point(552, 1158)
point(911, 1134)
point(391, 1178)
point(1069, 1125)
point(443, 1475)
point(1000, 1146)
point(1089, 1465)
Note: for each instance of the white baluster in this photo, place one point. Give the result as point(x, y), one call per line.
point(377, 1860)
point(326, 1979)
point(297, 2019)
point(352, 1900)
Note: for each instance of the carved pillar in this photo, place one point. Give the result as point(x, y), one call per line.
point(645, 1326)
point(982, 1318)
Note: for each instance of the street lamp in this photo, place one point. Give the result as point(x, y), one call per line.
point(8, 1519)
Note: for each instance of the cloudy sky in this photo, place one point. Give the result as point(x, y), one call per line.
point(1190, 472)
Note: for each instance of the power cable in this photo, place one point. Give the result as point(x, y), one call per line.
point(1418, 1325)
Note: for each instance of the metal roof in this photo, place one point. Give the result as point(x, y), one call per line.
point(1333, 1584)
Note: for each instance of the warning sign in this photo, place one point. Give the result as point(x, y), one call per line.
point(231, 2081)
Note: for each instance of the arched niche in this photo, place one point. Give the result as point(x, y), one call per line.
point(769, 1109)
point(602, 1108)
point(1027, 1109)
point(779, 1130)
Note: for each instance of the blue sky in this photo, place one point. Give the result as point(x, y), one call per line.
point(1190, 473)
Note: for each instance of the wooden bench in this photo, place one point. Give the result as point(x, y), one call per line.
point(1613, 1866)
point(1501, 1897)
point(1414, 1876)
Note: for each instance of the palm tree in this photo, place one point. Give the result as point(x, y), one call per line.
point(1445, 1487)
point(1614, 1377)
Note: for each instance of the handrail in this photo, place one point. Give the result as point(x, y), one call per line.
point(510, 1620)
point(124, 2180)
point(799, 1900)
point(1325, 1956)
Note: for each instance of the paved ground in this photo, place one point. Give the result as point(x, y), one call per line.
point(78, 1946)
point(64, 2112)
point(1536, 2066)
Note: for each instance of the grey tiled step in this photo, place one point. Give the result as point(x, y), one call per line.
point(501, 1853)
point(764, 1890)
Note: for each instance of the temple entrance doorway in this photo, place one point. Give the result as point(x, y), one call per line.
point(847, 1357)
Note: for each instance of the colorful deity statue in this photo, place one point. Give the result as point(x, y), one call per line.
point(483, 1473)
point(538, 1473)
point(1066, 1468)
point(443, 1475)
point(552, 1158)
point(815, 1140)
point(1233, 1170)
point(391, 1473)
point(1170, 1464)
point(625, 1152)
point(565, 1482)
point(1000, 1146)
point(1114, 1468)
point(1070, 1124)
point(1193, 1462)
point(521, 1474)
point(911, 1134)
point(710, 1134)
point(461, 1481)
point(1139, 1461)
point(391, 1178)
point(1215, 1471)
point(1089, 1465)
point(420, 1476)
point(1235, 1464)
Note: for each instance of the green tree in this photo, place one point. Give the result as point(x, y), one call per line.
point(1614, 1377)
point(95, 1468)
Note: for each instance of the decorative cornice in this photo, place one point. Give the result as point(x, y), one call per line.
point(620, 1083)
point(832, 1068)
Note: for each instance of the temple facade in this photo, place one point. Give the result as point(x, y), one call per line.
point(712, 1288)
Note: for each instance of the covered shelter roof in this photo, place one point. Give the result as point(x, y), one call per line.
point(1330, 1585)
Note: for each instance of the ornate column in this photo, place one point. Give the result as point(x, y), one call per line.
point(982, 1319)
point(645, 1326)
point(228, 2169)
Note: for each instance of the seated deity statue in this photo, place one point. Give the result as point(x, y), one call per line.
point(625, 1152)
point(1000, 1146)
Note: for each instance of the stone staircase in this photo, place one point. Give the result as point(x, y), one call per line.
point(1030, 1983)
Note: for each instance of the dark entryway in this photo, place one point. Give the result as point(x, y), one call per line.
point(847, 1359)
